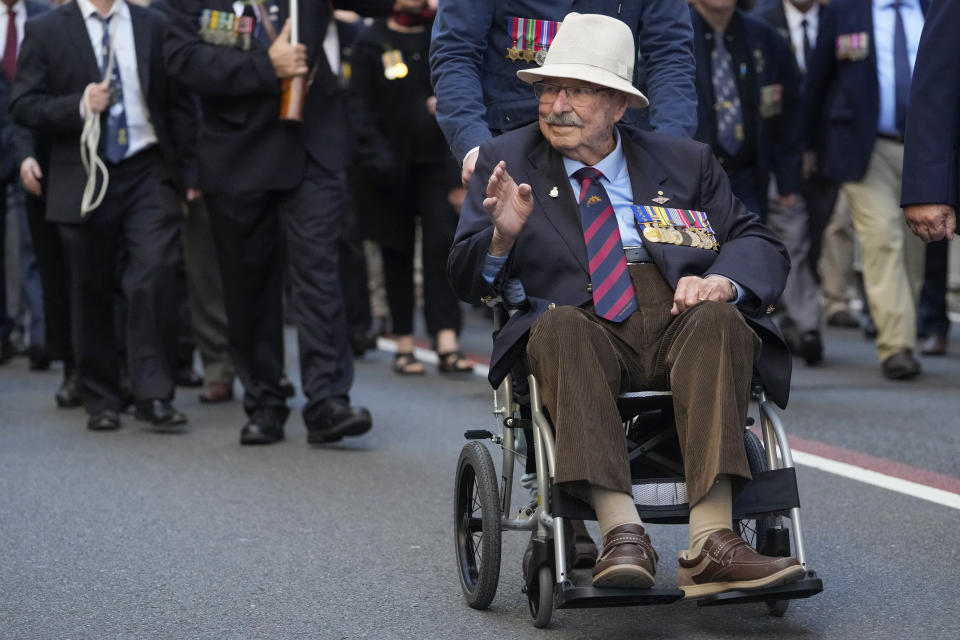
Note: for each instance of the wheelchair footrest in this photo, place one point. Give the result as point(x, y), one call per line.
point(809, 586)
point(573, 597)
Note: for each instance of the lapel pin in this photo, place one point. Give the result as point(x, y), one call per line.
point(660, 199)
point(555, 192)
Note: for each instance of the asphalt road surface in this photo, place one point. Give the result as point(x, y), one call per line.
point(135, 534)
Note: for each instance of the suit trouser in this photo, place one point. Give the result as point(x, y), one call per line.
point(353, 271)
point(820, 195)
point(247, 228)
point(835, 266)
point(53, 274)
point(6, 322)
point(932, 317)
point(208, 314)
point(138, 217)
point(705, 355)
point(800, 299)
point(892, 255)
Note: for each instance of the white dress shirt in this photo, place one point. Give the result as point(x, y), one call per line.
point(795, 19)
point(884, 23)
point(19, 20)
point(140, 132)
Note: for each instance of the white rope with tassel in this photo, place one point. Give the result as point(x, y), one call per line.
point(89, 142)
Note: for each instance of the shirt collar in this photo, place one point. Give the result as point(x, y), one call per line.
point(119, 8)
point(795, 16)
point(18, 7)
point(611, 166)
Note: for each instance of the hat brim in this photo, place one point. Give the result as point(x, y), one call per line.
point(588, 73)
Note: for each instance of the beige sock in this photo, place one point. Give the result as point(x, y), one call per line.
point(613, 508)
point(714, 511)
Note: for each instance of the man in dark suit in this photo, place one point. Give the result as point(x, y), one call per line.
point(13, 17)
point(865, 88)
point(748, 89)
point(613, 292)
point(61, 76)
point(262, 178)
point(928, 193)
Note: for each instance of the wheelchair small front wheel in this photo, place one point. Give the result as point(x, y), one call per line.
point(540, 598)
point(476, 523)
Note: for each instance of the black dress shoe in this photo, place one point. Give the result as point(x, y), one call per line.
point(843, 318)
point(39, 358)
point(810, 347)
point(159, 413)
point(261, 429)
point(934, 345)
point(6, 349)
point(362, 341)
point(68, 395)
point(187, 377)
point(336, 420)
point(901, 366)
point(105, 420)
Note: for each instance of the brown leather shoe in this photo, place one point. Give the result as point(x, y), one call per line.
point(728, 563)
point(900, 366)
point(216, 392)
point(627, 561)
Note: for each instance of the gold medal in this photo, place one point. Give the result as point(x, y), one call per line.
point(529, 55)
point(675, 237)
point(652, 234)
point(513, 54)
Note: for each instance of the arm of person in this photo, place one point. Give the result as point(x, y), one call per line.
point(929, 188)
point(666, 52)
point(456, 58)
point(750, 254)
point(218, 71)
point(32, 104)
point(24, 147)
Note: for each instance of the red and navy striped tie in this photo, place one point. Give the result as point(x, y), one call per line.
point(613, 295)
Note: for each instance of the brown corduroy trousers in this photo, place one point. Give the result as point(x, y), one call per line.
point(705, 356)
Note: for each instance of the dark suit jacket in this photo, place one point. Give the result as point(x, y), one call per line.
point(932, 140)
point(243, 146)
point(823, 49)
point(850, 93)
point(550, 256)
point(8, 161)
point(56, 63)
point(778, 136)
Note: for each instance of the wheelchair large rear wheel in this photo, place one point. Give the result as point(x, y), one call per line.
point(755, 531)
point(476, 523)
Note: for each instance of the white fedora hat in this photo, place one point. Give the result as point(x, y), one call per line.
point(595, 48)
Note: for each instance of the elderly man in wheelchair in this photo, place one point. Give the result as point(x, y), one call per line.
point(627, 263)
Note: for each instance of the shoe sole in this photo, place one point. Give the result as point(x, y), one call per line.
point(173, 422)
point(784, 576)
point(113, 427)
point(623, 576)
point(259, 441)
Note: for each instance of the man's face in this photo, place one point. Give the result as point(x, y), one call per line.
point(578, 125)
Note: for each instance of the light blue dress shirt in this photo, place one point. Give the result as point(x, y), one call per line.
point(884, 20)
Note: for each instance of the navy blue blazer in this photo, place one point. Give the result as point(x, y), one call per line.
point(8, 156)
point(478, 90)
point(777, 132)
point(772, 11)
point(850, 92)
point(550, 256)
point(932, 138)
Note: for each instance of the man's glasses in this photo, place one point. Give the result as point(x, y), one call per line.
point(578, 96)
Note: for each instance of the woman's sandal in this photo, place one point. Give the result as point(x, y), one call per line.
point(454, 362)
point(405, 364)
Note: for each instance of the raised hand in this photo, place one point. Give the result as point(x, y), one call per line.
point(509, 206)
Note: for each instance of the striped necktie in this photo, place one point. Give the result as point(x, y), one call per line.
point(727, 96)
point(613, 295)
point(117, 140)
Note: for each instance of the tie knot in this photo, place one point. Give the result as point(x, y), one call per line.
point(804, 23)
point(587, 173)
point(104, 19)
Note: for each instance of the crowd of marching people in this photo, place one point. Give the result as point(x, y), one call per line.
point(192, 176)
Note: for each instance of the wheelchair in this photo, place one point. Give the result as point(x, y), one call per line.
point(483, 503)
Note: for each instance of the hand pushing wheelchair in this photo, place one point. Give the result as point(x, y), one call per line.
point(482, 503)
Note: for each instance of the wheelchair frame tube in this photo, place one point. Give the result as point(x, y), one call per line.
point(503, 407)
point(546, 464)
point(775, 435)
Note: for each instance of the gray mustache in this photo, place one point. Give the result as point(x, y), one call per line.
point(564, 119)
